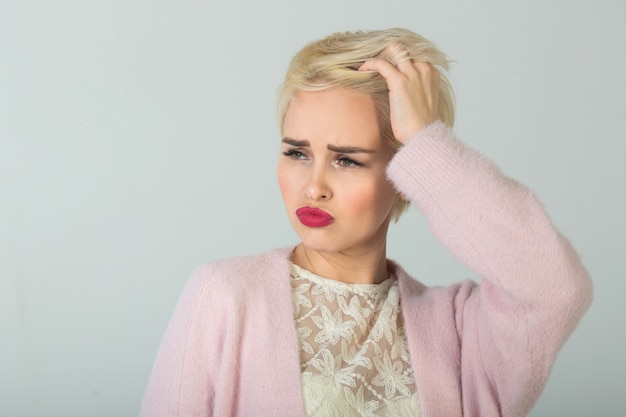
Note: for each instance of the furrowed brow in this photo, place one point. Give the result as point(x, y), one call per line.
point(297, 143)
point(349, 149)
point(334, 148)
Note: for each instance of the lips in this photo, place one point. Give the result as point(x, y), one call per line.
point(314, 217)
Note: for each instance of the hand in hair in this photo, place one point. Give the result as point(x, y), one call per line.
point(413, 90)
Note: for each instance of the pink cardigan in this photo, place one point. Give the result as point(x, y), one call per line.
point(477, 350)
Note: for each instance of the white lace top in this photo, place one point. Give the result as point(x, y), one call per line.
point(353, 351)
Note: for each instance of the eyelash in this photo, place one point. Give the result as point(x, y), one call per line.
point(341, 161)
point(348, 163)
point(294, 154)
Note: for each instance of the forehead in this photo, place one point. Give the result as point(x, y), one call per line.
point(339, 116)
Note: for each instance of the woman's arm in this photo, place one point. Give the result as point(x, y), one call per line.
point(534, 288)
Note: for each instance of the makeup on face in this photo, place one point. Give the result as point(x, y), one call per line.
point(345, 156)
point(332, 172)
point(314, 217)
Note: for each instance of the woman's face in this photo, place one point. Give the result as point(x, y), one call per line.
point(332, 172)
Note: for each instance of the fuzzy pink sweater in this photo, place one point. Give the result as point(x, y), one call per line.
point(477, 350)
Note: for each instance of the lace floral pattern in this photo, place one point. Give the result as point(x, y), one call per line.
point(353, 351)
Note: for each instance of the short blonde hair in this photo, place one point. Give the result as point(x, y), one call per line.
point(332, 62)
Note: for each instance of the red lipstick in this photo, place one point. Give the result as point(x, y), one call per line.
point(314, 217)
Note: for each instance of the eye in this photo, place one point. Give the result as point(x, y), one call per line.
point(295, 154)
point(347, 162)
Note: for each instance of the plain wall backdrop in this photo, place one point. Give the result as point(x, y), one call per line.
point(138, 140)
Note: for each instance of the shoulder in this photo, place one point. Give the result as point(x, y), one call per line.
point(411, 287)
point(244, 264)
point(439, 300)
point(239, 276)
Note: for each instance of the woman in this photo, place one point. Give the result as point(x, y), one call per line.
point(331, 326)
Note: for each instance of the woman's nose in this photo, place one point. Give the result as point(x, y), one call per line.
point(318, 187)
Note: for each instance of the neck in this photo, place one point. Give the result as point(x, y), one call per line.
point(367, 267)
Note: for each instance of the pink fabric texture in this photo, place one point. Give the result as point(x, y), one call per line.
point(477, 350)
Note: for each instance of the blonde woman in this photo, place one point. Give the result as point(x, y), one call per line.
point(332, 326)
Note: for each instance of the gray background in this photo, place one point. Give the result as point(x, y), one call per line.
point(138, 140)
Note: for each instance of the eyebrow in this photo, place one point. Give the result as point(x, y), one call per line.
point(334, 148)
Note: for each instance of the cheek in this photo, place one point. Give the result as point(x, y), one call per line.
point(376, 197)
point(361, 200)
point(286, 185)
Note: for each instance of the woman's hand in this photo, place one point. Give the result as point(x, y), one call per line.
point(413, 90)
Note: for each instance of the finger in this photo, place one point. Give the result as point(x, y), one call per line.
point(395, 53)
point(382, 66)
point(406, 65)
point(425, 69)
point(426, 75)
point(398, 55)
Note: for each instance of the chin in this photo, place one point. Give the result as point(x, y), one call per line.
point(327, 245)
point(319, 243)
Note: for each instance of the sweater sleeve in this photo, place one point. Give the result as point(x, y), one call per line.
point(534, 288)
